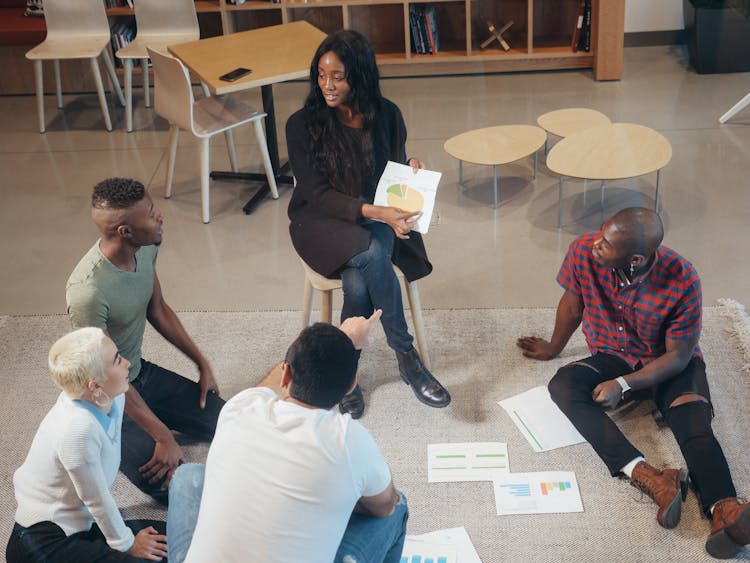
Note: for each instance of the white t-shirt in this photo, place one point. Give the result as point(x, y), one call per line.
point(281, 481)
point(71, 465)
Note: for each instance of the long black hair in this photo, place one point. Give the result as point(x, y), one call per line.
point(330, 153)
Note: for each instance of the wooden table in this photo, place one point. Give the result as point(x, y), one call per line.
point(565, 122)
point(274, 54)
point(610, 152)
point(493, 146)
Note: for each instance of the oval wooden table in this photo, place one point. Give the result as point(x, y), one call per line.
point(566, 122)
point(610, 152)
point(493, 146)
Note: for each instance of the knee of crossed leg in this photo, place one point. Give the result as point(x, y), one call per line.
point(561, 386)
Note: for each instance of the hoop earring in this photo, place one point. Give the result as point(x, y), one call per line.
point(632, 270)
point(101, 399)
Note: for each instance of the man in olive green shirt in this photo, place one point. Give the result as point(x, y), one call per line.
point(115, 287)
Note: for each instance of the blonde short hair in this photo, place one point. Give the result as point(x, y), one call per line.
point(75, 359)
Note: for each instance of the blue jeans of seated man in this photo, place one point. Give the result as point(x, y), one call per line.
point(370, 283)
point(365, 540)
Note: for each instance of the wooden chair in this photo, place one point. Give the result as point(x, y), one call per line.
point(204, 118)
point(76, 29)
point(160, 23)
point(314, 281)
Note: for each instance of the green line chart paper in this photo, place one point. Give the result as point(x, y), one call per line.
point(540, 421)
point(468, 461)
point(546, 492)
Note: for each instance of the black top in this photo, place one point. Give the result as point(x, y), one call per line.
point(325, 223)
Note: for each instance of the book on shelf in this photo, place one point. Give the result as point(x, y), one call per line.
point(423, 29)
point(122, 33)
point(584, 43)
point(578, 26)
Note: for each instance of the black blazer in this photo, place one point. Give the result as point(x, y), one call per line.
point(325, 223)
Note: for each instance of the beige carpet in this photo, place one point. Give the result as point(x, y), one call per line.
point(474, 354)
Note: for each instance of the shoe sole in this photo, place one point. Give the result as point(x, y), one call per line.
point(721, 546)
point(671, 516)
point(421, 399)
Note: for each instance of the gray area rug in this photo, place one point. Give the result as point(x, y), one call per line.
point(474, 354)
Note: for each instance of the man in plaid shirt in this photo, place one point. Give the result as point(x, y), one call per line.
point(640, 307)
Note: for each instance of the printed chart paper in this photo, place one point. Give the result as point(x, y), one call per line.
point(546, 492)
point(419, 550)
point(540, 421)
point(457, 537)
point(471, 461)
point(400, 187)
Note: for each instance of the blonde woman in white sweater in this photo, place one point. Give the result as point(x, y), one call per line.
point(65, 509)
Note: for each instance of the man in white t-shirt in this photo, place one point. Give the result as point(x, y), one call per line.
point(287, 478)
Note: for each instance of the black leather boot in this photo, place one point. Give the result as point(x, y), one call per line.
point(353, 403)
point(427, 389)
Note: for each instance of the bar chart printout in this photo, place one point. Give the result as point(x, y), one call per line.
point(470, 461)
point(427, 551)
point(544, 492)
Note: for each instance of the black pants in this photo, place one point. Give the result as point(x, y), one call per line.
point(571, 389)
point(174, 400)
point(46, 542)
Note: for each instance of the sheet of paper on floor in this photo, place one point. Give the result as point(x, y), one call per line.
point(540, 421)
point(427, 550)
point(458, 538)
point(544, 492)
point(468, 461)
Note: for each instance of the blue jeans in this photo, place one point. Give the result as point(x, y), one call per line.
point(366, 539)
point(174, 401)
point(370, 283)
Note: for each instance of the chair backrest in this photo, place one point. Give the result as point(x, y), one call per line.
point(64, 18)
point(166, 17)
point(173, 92)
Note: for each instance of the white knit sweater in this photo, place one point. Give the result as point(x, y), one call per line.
point(70, 467)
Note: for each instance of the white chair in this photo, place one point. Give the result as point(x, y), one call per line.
point(204, 118)
point(313, 280)
point(76, 29)
point(160, 23)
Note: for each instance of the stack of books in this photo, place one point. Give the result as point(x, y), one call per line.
point(582, 31)
point(423, 29)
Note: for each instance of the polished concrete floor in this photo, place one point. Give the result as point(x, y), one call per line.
point(483, 257)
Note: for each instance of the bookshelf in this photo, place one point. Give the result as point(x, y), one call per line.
point(540, 37)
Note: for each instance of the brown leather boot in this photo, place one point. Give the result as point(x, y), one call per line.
point(730, 529)
point(667, 488)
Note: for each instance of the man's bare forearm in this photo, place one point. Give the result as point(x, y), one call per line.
point(137, 409)
point(567, 320)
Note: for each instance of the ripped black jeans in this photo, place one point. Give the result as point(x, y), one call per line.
point(571, 389)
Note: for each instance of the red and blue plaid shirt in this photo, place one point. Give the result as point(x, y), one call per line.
point(632, 321)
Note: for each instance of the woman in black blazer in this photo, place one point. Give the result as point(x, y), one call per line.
point(339, 144)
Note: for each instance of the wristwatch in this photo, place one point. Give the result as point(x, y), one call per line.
point(625, 388)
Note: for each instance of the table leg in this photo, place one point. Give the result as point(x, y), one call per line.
point(546, 140)
point(461, 172)
point(536, 160)
point(559, 203)
point(494, 179)
point(604, 183)
point(273, 152)
point(658, 185)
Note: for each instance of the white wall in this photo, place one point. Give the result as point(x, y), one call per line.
point(653, 15)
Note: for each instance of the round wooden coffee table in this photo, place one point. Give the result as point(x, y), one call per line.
point(610, 152)
point(493, 146)
point(565, 122)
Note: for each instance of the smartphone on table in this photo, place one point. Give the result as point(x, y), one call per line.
point(235, 74)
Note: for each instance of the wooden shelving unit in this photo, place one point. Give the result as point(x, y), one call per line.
point(540, 36)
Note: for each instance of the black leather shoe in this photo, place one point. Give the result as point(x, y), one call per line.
point(427, 389)
point(353, 403)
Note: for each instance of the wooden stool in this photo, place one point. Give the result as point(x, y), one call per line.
point(313, 280)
